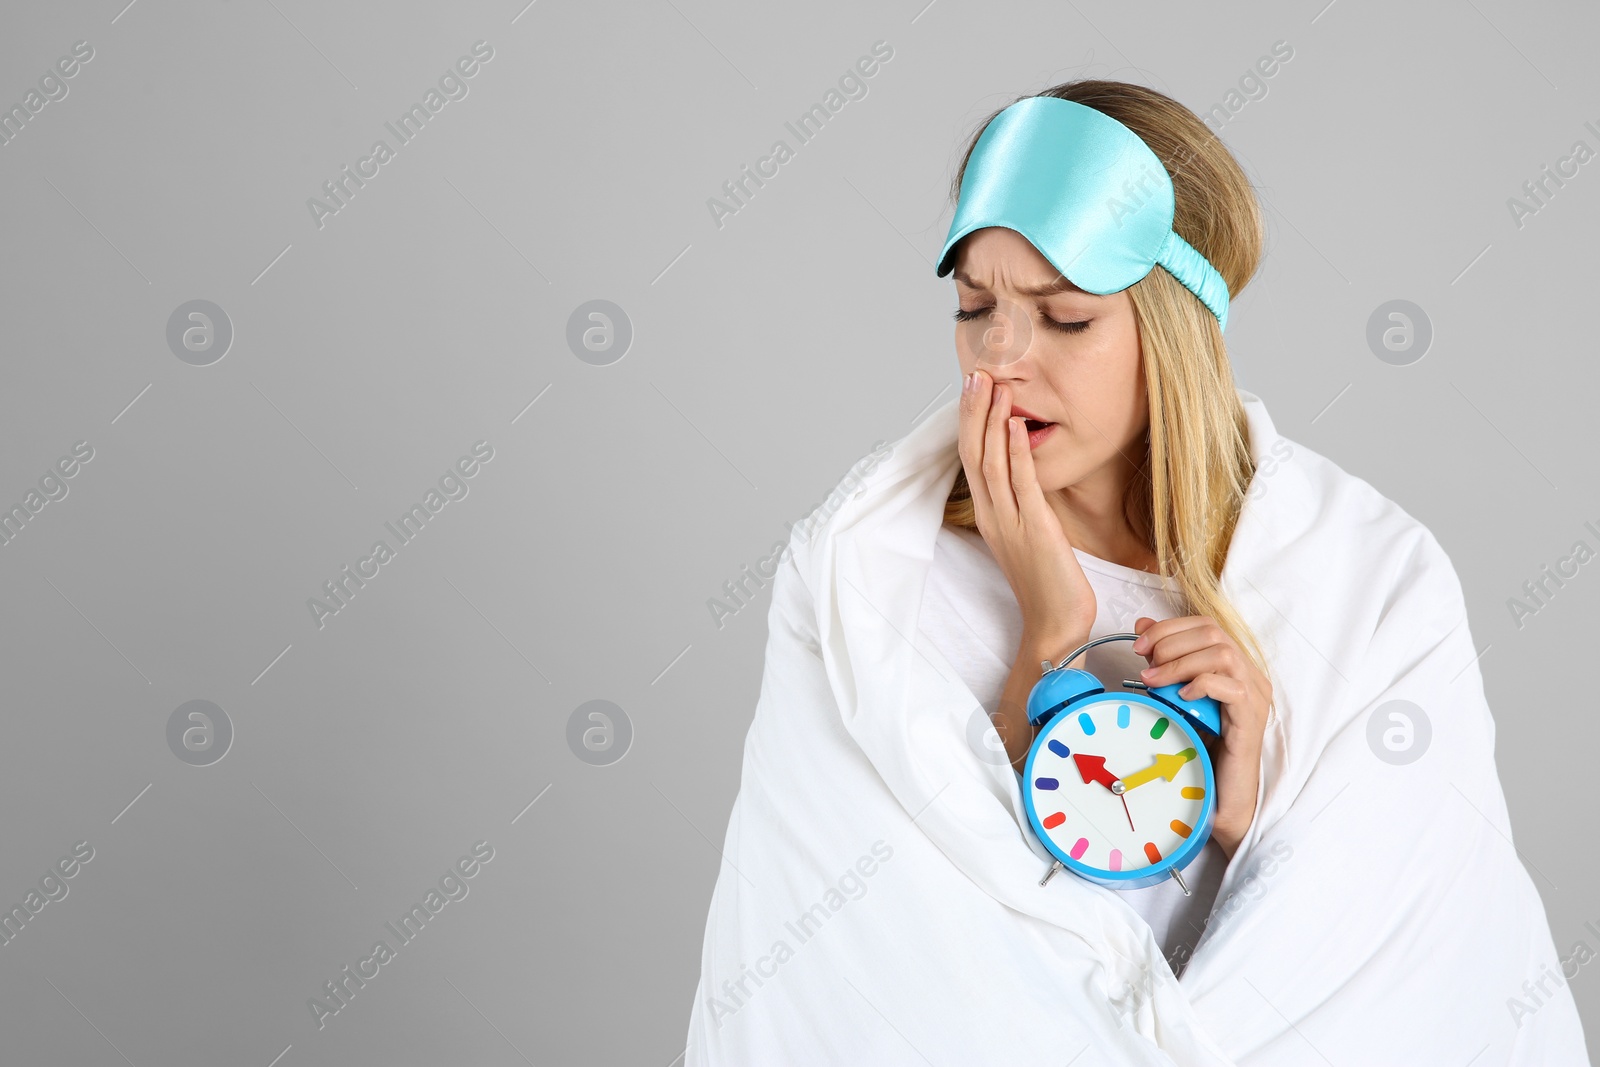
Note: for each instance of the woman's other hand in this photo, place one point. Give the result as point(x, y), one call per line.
point(1195, 648)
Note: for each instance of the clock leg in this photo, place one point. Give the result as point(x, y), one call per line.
point(1054, 867)
point(1181, 883)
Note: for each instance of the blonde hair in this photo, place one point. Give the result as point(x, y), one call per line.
point(1186, 497)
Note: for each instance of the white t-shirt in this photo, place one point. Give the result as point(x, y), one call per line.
point(970, 613)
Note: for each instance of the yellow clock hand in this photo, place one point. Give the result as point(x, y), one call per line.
point(1166, 766)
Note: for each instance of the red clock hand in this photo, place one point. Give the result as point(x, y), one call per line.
point(1093, 769)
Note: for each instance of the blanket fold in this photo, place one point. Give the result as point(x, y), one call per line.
point(880, 900)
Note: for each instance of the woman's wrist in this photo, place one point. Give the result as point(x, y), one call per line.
point(1011, 718)
point(1050, 644)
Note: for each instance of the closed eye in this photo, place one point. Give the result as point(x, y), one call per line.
point(962, 315)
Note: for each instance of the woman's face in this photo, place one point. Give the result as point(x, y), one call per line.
point(1086, 377)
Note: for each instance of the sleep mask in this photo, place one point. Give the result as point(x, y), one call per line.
point(1087, 192)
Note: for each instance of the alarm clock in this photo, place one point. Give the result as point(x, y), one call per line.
point(1119, 786)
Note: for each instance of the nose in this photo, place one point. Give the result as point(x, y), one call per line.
point(999, 338)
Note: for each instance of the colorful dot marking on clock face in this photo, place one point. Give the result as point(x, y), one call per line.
point(1080, 848)
point(1152, 853)
point(1193, 792)
point(1085, 722)
point(1059, 749)
point(1116, 859)
point(1180, 828)
point(1047, 783)
point(1159, 728)
point(1053, 821)
point(1122, 717)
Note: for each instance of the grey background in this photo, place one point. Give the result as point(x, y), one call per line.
point(767, 356)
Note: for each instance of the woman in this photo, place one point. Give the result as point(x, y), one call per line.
point(1060, 444)
point(1357, 899)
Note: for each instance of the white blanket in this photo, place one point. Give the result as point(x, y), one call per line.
point(880, 903)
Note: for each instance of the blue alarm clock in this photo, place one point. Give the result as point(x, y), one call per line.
point(1119, 786)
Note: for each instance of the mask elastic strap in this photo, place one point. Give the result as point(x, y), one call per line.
point(1196, 274)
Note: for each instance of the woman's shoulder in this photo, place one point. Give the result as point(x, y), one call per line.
point(1344, 498)
point(1303, 501)
point(1298, 492)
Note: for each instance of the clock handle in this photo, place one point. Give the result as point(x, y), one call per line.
point(1202, 710)
point(1087, 645)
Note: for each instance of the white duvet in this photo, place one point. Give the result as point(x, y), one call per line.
point(880, 903)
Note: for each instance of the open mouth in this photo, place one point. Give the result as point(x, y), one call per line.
point(1036, 424)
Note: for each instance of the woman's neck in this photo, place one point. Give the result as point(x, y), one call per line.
point(1092, 516)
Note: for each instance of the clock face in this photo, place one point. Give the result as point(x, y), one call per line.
point(1118, 739)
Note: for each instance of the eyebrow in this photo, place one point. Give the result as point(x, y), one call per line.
point(1060, 285)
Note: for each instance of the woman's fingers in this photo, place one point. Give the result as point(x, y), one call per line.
point(975, 408)
point(1158, 633)
point(997, 456)
point(1223, 688)
point(1165, 647)
point(1185, 669)
point(1008, 488)
point(1183, 648)
point(1024, 478)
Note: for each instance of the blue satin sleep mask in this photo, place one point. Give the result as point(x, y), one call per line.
point(1087, 192)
